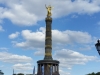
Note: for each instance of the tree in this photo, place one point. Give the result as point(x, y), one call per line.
point(98, 73)
point(88, 74)
point(20, 74)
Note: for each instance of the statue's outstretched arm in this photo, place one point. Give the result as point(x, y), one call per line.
point(45, 6)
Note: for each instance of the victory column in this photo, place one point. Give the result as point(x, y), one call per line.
point(48, 66)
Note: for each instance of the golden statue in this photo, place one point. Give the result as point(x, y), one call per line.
point(48, 10)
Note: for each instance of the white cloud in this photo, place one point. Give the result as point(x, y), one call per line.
point(74, 16)
point(23, 67)
point(1, 66)
point(14, 35)
point(85, 47)
point(39, 52)
point(69, 36)
point(62, 72)
point(19, 15)
point(33, 39)
point(4, 48)
point(69, 58)
point(14, 58)
point(27, 13)
point(1, 29)
point(98, 23)
point(37, 39)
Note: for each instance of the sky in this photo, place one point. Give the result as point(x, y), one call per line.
point(75, 30)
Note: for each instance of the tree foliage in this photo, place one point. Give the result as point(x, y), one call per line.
point(98, 73)
point(20, 74)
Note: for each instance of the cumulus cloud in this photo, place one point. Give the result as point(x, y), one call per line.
point(23, 67)
point(85, 47)
point(1, 28)
point(69, 58)
point(37, 39)
point(14, 35)
point(39, 53)
point(33, 39)
point(69, 36)
point(14, 58)
point(24, 13)
point(62, 72)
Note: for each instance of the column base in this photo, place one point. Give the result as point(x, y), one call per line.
point(48, 67)
point(48, 58)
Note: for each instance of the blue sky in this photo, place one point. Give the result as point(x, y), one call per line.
point(75, 30)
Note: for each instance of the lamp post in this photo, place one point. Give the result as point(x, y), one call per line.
point(97, 45)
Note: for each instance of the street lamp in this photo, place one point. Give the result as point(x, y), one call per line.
point(97, 45)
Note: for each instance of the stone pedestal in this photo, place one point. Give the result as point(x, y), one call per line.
point(48, 67)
